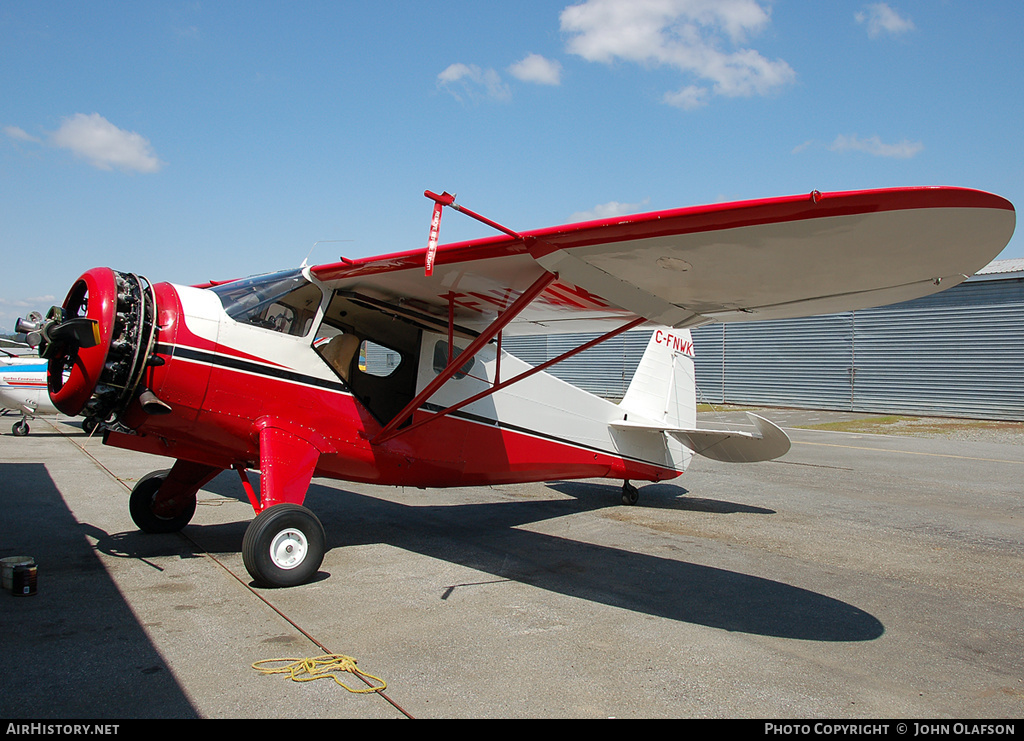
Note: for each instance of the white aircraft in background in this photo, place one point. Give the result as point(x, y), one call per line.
point(23, 390)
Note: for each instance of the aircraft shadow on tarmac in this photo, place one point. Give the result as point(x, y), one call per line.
point(487, 537)
point(88, 630)
point(74, 649)
point(663, 496)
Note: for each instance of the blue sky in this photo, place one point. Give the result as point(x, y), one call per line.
point(190, 141)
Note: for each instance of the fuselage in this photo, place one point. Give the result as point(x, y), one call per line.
point(233, 358)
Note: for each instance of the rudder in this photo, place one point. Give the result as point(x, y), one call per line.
point(664, 387)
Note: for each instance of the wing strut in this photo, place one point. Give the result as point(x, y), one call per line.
point(447, 199)
point(524, 300)
point(499, 385)
point(391, 429)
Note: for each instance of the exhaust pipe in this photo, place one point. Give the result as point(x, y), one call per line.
point(151, 403)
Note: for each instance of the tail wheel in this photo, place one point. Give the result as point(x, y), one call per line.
point(283, 546)
point(153, 516)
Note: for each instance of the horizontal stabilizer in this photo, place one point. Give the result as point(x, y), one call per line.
point(765, 443)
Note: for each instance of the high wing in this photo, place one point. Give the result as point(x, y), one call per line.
point(763, 259)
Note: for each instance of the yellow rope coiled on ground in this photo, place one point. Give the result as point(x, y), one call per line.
point(322, 667)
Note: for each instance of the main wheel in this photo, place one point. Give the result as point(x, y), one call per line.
point(630, 494)
point(158, 517)
point(284, 546)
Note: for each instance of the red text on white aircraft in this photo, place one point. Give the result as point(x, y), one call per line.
point(677, 343)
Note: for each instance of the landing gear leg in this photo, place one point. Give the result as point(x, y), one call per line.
point(142, 506)
point(164, 501)
point(285, 544)
point(630, 494)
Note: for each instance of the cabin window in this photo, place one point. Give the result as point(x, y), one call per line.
point(378, 360)
point(373, 351)
point(282, 302)
point(441, 360)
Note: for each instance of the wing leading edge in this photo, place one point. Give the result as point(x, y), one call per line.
point(765, 259)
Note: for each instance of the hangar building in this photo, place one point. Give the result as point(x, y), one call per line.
point(957, 353)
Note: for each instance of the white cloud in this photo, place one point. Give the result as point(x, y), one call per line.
point(881, 19)
point(699, 38)
point(20, 134)
point(689, 98)
point(104, 145)
point(472, 82)
point(608, 210)
point(801, 147)
point(538, 69)
point(874, 146)
point(34, 302)
point(12, 309)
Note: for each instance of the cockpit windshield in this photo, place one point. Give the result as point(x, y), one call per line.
point(283, 302)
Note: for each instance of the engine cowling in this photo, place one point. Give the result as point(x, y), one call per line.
point(101, 380)
point(74, 371)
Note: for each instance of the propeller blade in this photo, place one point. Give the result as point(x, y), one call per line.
point(80, 331)
point(69, 335)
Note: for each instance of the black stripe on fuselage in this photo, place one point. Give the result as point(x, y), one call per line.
point(248, 366)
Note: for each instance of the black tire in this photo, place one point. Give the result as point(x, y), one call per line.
point(630, 494)
point(283, 546)
point(140, 506)
point(20, 428)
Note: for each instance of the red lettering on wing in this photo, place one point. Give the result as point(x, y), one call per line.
point(461, 299)
point(498, 299)
point(565, 294)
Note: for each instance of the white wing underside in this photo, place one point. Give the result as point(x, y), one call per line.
point(769, 259)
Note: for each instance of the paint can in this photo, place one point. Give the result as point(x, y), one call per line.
point(23, 581)
point(7, 566)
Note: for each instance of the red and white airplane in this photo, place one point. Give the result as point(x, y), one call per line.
point(263, 373)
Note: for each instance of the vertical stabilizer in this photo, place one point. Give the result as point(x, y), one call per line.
point(664, 389)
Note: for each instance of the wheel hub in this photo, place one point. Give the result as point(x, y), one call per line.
point(288, 548)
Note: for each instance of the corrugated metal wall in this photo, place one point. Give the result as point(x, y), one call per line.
point(950, 360)
point(605, 370)
point(789, 362)
point(958, 353)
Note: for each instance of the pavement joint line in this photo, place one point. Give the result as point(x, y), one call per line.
point(910, 452)
point(235, 576)
point(92, 457)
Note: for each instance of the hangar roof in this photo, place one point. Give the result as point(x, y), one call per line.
point(1001, 269)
